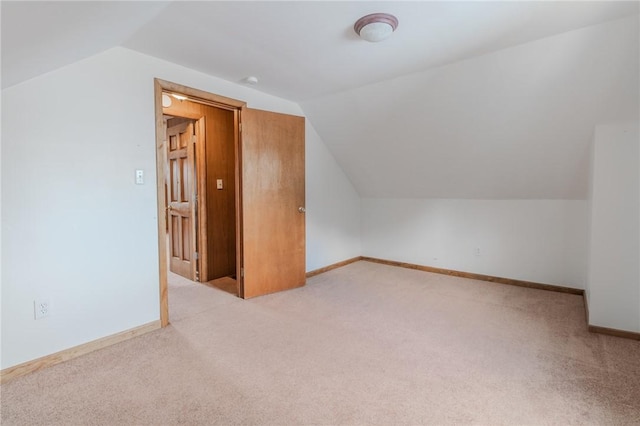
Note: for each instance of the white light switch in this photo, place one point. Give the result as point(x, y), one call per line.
point(139, 177)
point(219, 184)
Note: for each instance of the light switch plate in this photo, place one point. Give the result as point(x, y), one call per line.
point(219, 184)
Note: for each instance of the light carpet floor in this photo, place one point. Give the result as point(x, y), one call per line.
point(359, 345)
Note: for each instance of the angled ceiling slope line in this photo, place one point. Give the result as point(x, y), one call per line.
point(41, 36)
point(516, 123)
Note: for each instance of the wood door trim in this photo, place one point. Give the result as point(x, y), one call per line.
point(201, 205)
point(201, 96)
point(238, 171)
point(193, 211)
point(161, 158)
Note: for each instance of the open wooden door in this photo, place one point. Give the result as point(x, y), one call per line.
point(273, 202)
point(181, 202)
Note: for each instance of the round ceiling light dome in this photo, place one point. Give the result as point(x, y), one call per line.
point(376, 27)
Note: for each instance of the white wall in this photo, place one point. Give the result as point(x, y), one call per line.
point(614, 255)
point(333, 207)
point(75, 227)
point(514, 123)
point(535, 240)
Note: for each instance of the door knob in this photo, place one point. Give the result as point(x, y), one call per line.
point(302, 209)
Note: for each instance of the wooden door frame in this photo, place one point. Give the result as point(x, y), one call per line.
point(195, 95)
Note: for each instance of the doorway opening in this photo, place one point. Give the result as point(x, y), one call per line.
point(265, 172)
point(199, 156)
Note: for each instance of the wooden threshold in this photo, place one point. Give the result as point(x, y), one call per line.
point(332, 266)
point(74, 352)
point(471, 275)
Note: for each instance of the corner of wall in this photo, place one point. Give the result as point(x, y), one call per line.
point(587, 286)
point(614, 227)
point(333, 207)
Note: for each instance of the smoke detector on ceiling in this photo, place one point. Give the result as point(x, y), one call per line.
point(251, 80)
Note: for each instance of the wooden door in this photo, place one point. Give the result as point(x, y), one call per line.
point(273, 202)
point(181, 205)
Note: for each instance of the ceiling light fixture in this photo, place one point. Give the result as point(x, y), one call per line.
point(376, 27)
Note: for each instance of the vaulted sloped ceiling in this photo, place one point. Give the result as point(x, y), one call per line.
point(465, 100)
point(516, 123)
point(41, 36)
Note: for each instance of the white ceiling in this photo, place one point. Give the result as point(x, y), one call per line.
point(307, 52)
point(41, 36)
point(299, 50)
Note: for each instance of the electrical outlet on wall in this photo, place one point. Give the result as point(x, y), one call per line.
point(477, 251)
point(41, 308)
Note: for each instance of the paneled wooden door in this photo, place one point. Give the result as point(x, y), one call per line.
point(273, 202)
point(181, 202)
